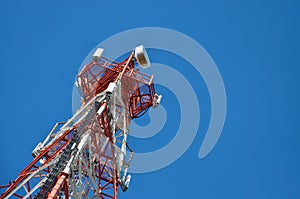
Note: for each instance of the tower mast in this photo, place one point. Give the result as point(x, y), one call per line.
point(88, 156)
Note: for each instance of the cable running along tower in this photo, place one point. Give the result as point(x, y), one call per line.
point(88, 156)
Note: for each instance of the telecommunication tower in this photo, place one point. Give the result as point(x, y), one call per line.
point(88, 156)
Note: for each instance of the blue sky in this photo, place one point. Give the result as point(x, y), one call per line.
point(254, 44)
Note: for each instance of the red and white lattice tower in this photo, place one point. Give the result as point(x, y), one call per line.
point(88, 156)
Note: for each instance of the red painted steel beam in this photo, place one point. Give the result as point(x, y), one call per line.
point(24, 174)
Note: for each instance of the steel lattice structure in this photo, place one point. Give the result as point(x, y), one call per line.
point(88, 156)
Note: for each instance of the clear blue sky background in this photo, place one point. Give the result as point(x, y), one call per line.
point(254, 43)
